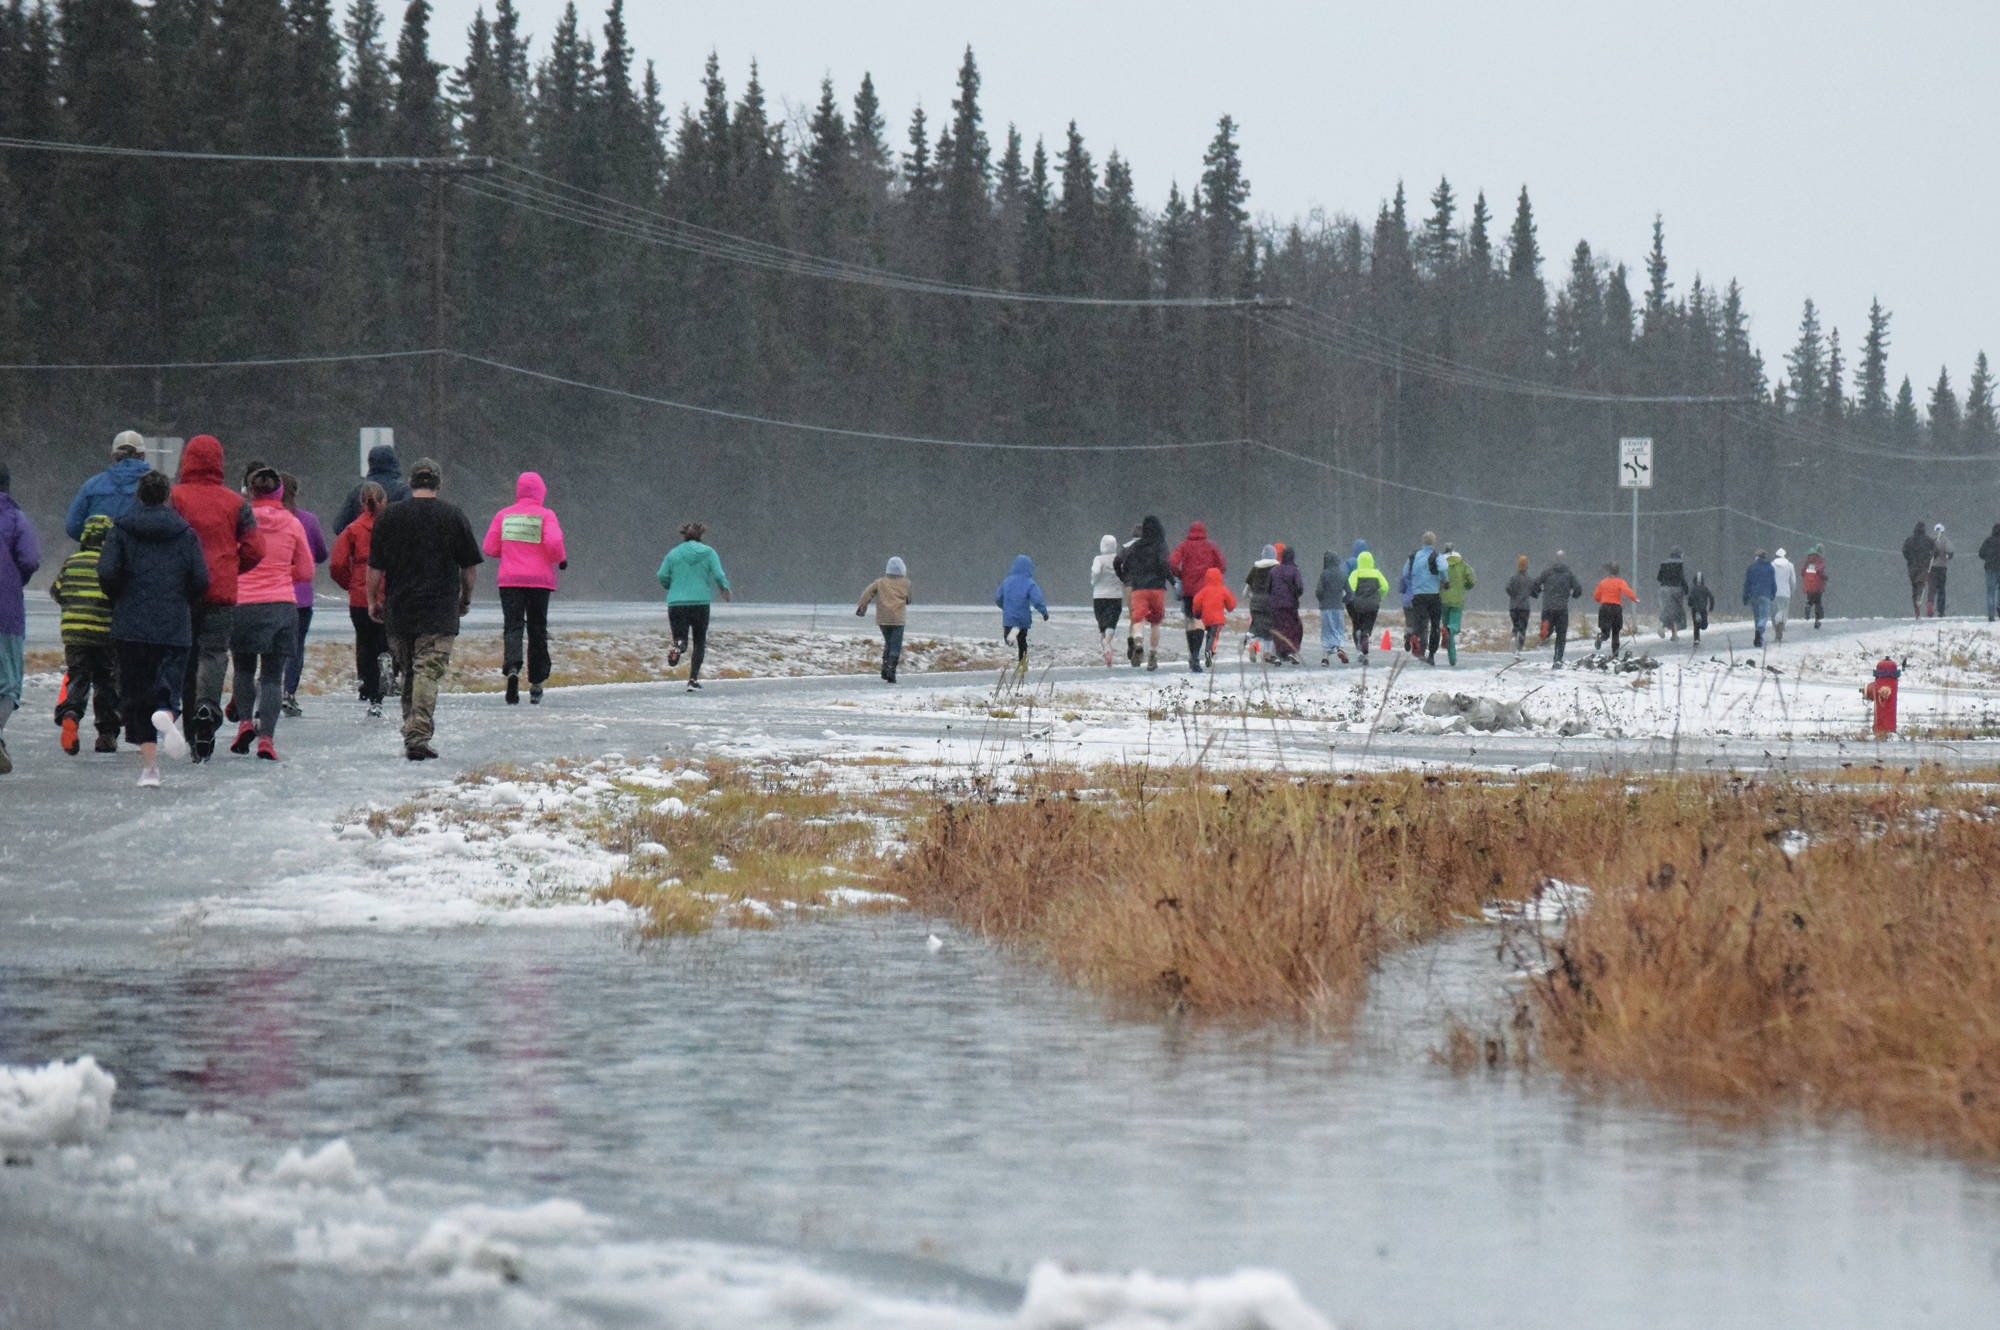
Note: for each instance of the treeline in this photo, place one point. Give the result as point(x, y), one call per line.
point(1425, 359)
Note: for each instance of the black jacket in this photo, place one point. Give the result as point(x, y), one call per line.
point(153, 570)
point(1331, 590)
point(1917, 551)
point(1989, 549)
point(1143, 566)
point(385, 471)
point(1520, 590)
point(1671, 574)
point(1557, 586)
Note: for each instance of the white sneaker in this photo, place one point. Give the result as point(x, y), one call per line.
point(171, 738)
point(149, 778)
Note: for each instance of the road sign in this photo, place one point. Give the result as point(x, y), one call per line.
point(373, 437)
point(1635, 464)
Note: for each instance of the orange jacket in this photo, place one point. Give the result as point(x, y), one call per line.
point(1214, 601)
point(1613, 590)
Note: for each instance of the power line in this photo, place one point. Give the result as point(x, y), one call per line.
point(1353, 474)
point(246, 158)
point(257, 362)
point(1833, 439)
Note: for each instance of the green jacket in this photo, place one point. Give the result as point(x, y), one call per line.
point(86, 610)
point(1457, 581)
point(691, 574)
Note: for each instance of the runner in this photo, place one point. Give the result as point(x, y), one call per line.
point(383, 470)
point(1366, 586)
point(153, 569)
point(1019, 597)
point(1147, 569)
point(1106, 592)
point(1812, 580)
point(20, 556)
point(691, 574)
point(1556, 588)
point(528, 541)
point(1759, 585)
point(1330, 593)
point(266, 623)
point(1520, 590)
point(110, 492)
point(1611, 594)
point(1458, 579)
point(1287, 590)
point(891, 594)
point(90, 664)
point(1941, 553)
point(1917, 563)
point(315, 542)
point(1257, 596)
point(1672, 581)
point(1784, 575)
point(1701, 600)
point(232, 544)
point(1426, 571)
point(350, 570)
point(421, 558)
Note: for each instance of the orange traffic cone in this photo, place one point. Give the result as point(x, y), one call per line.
point(1386, 642)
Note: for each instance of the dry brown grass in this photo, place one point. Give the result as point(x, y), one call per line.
point(1258, 896)
point(1858, 976)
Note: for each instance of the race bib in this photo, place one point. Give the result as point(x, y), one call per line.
point(523, 527)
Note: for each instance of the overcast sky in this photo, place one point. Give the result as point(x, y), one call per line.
point(1822, 148)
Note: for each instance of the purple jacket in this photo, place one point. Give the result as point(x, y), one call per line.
point(1287, 586)
point(302, 592)
point(19, 557)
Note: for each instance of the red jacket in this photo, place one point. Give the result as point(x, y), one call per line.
point(231, 544)
point(1214, 601)
point(1193, 557)
point(1813, 575)
point(350, 559)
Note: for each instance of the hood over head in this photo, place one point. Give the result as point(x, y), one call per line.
point(1270, 552)
point(1212, 578)
point(1287, 554)
point(95, 529)
point(530, 488)
point(1023, 567)
point(1330, 559)
point(1781, 552)
point(1107, 544)
point(382, 461)
point(201, 461)
point(895, 567)
point(1360, 547)
point(1938, 530)
point(1197, 531)
point(1364, 562)
point(154, 523)
point(1150, 529)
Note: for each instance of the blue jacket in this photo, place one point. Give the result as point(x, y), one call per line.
point(1019, 594)
point(153, 570)
point(112, 491)
point(1423, 581)
point(1760, 579)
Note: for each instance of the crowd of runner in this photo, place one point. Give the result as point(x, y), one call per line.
point(180, 587)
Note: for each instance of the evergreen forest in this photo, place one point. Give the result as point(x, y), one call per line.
point(544, 259)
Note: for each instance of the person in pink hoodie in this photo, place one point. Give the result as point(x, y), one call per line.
point(528, 541)
point(266, 623)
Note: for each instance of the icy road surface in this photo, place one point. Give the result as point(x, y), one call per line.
point(346, 1096)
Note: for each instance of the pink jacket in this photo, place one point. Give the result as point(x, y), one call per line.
point(526, 537)
point(287, 557)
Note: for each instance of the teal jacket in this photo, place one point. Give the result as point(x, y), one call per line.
point(691, 574)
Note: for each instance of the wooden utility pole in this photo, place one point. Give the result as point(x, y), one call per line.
point(437, 169)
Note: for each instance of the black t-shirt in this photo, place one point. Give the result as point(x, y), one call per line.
point(420, 546)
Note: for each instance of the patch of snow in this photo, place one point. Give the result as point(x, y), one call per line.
point(332, 1165)
point(1059, 1299)
point(62, 1103)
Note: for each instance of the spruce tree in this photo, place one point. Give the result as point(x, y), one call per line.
point(1076, 222)
point(1524, 255)
point(1658, 307)
point(1833, 400)
point(1438, 246)
point(1806, 364)
point(1225, 196)
point(1478, 243)
point(1980, 430)
point(1871, 378)
point(1037, 238)
point(965, 177)
point(367, 94)
point(1904, 425)
point(1942, 415)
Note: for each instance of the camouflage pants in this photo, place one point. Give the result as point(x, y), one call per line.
point(421, 661)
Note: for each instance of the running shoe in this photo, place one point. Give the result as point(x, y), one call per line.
point(246, 734)
point(149, 778)
point(70, 743)
point(170, 733)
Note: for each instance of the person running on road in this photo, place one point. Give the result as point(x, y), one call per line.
point(1331, 594)
point(1426, 571)
point(1785, 576)
point(111, 492)
point(349, 569)
point(421, 561)
point(1701, 600)
point(1107, 592)
point(1147, 568)
point(1941, 553)
point(1366, 586)
point(20, 556)
point(1917, 552)
point(154, 571)
point(232, 543)
point(1458, 579)
point(691, 574)
point(891, 594)
point(1672, 580)
point(266, 623)
point(1556, 588)
point(1989, 555)
point(316, 543)
point(1520, 590)
point(1760, 584)
point(1213, 603)
point(1287, 590)
point(1257, 594)
point(383, 470)
point(90, 664)
point(1611, 594)
point(1812, 581)
point(1018, 598)
point(528, 541)
point(1189, 565)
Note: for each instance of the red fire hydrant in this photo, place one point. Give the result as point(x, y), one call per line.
point(1882, 692)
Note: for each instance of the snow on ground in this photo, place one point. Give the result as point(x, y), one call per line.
point(62, 1103)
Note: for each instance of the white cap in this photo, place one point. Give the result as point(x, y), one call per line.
point(129, 443)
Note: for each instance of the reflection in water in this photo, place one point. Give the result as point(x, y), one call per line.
point(840, 1087)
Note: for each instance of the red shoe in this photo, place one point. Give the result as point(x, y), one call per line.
point(246, 734)
point(70, 743)
point(266, 749)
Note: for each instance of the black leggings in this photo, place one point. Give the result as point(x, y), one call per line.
point(1021, 644)
point(371, 643)
point(1610, 622)
point(686, 620)
point(524, 613)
